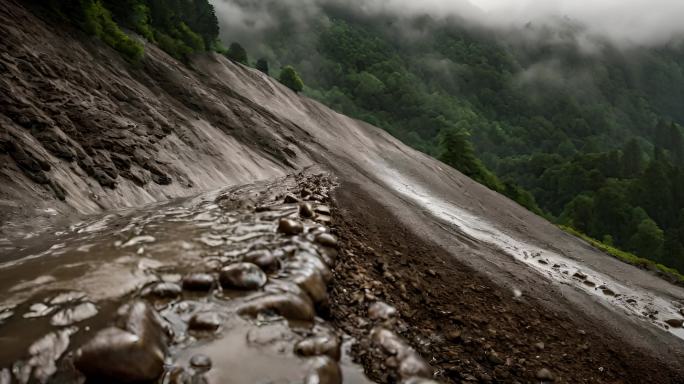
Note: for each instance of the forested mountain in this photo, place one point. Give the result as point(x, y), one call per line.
point(581, 130)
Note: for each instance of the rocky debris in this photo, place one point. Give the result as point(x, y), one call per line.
point(324, 371)
point(133, 351)
point(290, 199)
point(200, 282)
point(406, 360)
point(675, 323)
point(290, 227)
point(381, 311)
point(545, 375)
point(205, 321)
point(242, 276)
point(580, 275)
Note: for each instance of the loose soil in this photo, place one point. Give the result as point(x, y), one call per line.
point(469, 329)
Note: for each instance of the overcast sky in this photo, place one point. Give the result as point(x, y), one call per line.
point(626, 22)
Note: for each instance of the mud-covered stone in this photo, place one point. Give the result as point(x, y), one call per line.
point(132, 352)
point(327, 240)
point(242, 276)
point(288, 305)
point(311, 281)
point(324, 370)
point(205, 321)
point(328, 345)
point(263, 258)
point(290, 227)
point(381, 311)
point(163, 290)
point(306, 210)
point(675, 323)
point(545, 374)
point(201, 362)
point(199, 282)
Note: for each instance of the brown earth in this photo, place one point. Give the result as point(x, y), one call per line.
point(467, 327)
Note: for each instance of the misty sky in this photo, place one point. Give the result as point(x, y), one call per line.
point(626, 22)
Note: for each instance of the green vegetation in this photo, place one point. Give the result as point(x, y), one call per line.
point(237, 53)
point(262, 65)
point(179, 27)
point(290, 78)
point(589, 140)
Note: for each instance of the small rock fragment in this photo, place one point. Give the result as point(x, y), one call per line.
point(327, 240)
point(201, 362)
point(242, 276)
point(381, 311)
point(324, 371)
point(205, 321)
point(545, 375)
point(494, 358)
point(319, 345)
point(675, 323)
point(290, 227)
point(306, 210)
point(290, 199)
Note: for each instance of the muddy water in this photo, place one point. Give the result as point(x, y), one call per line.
point(60, 288)
point(644, 305)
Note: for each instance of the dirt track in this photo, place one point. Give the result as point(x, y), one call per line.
point(469, 328)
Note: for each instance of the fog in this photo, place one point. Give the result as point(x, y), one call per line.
point(624, 22)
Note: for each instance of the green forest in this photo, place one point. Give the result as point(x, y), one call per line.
point(589, 139)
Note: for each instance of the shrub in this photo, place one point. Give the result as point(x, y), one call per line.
point(290, 78)
point(237, 53)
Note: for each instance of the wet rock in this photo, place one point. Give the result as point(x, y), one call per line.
point(242, 276)
point(322, 210)
point(290, 227)
point(328, 345)
point(44, 354)
point(73, 315)
point(545, 375)
point(306, 210)
point(675, 323)
point(580, 275)
point(324, 371)
point(288, 305)
point(608, 292)
point(164, 291)
point(290, 199)
point(262, 258)
point(133, 352)
point(205, 321)
point(201, 362)
point(311, 281)
point(589, 283)
point(327, 240)
point(381, 311)
point(200, 282)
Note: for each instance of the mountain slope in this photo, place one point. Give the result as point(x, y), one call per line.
point(76, 118)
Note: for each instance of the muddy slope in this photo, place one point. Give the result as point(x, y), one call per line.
point(81, 132)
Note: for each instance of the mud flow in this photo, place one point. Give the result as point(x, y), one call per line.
point(646, 306)
point(229, 286)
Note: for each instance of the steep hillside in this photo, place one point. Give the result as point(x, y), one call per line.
point(433, 275)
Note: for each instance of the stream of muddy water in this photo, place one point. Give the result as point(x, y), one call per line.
point(222, 287)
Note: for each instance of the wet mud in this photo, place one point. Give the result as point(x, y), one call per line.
point(229, 286)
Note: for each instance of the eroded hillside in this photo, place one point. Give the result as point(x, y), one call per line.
point(478, 288)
